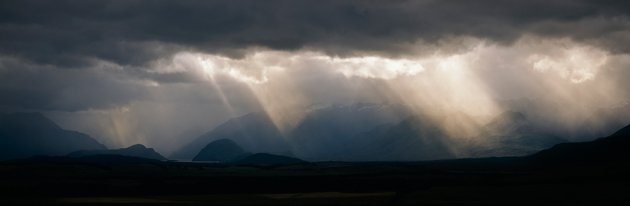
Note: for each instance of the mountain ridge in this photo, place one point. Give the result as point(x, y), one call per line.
point(253, 131)
point(613, 148)
point(137, 150)
point(28, 134)
point(221, 150)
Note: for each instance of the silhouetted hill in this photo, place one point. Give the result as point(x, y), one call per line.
point(28, 134)
point(264, 159)
point(611, 149)
point(222, 150)
point(254, 132)
point(137, 150)
point(590, 179)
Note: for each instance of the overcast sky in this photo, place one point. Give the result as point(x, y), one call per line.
point(160, 72)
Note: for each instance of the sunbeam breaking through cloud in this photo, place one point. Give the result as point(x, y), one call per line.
point(316, 102)
point(471, 69)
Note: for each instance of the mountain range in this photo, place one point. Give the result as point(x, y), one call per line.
point(28, 134)
point(357, 132)
point(377, 132)
point(510, 134)
point(254, 132)
point(329, 133)
point(612, 149)
point(221, 150)
point(137, 150)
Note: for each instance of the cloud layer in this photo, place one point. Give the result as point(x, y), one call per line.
point(148, 71)
point(75, 33)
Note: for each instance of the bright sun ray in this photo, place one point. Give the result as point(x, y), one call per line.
point(433, 85)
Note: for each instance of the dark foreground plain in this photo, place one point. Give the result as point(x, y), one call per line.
point(111, 180)
point(591, 173)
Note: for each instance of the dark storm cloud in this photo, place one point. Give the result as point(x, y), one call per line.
point(34, 87)
point(72, 33)
point(51, 51)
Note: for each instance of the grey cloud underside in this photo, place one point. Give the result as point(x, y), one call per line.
point(111, 69)
point(74, 33)
point(53, 53)
point(70, 90)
